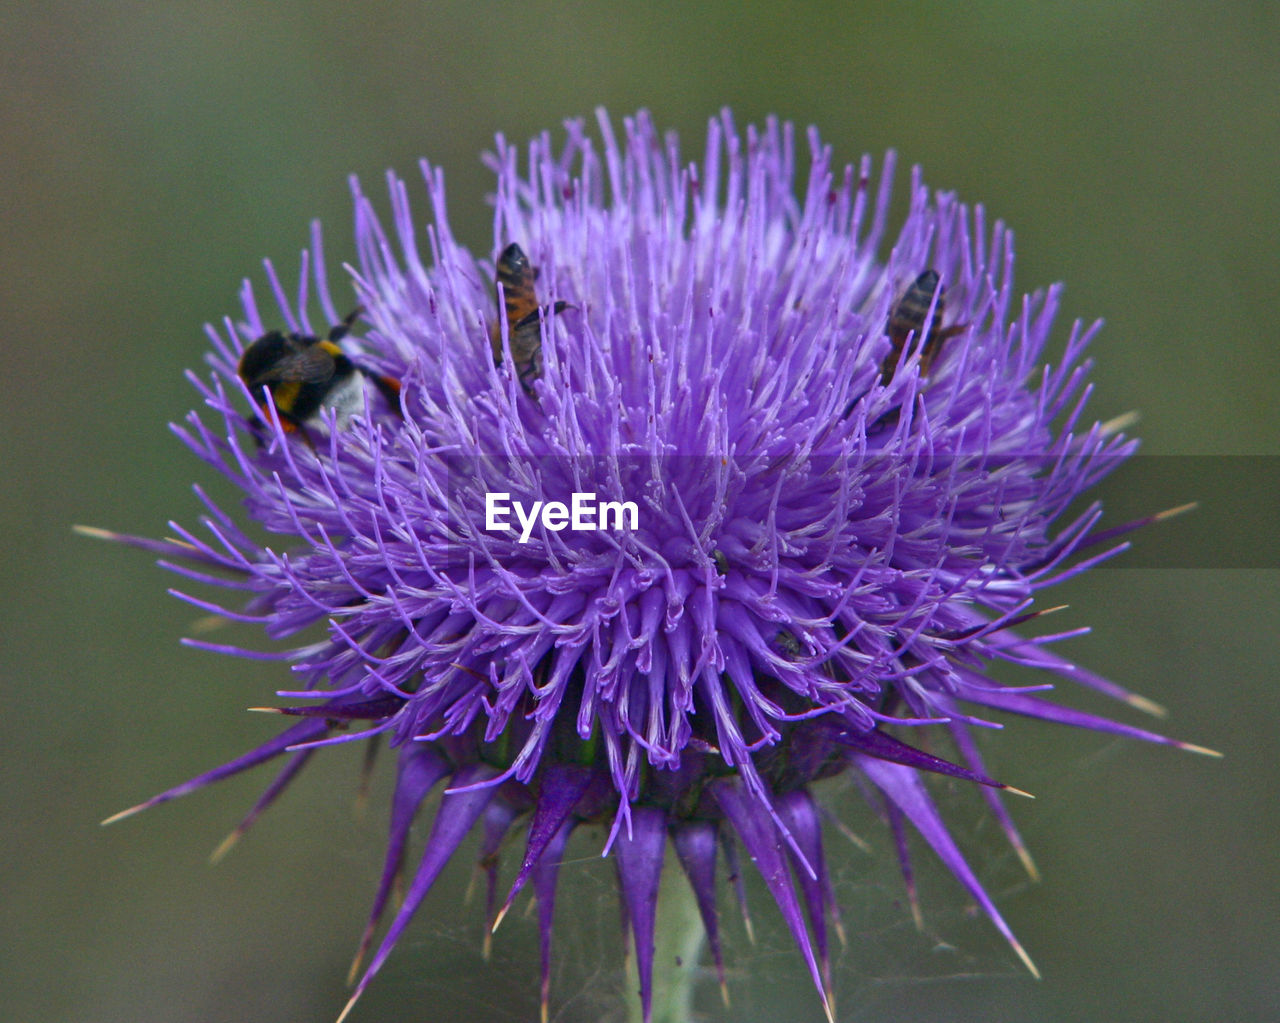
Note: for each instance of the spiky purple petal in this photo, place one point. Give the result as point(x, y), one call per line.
point(562, 786)
point(417, 774)
point(1030, 706)
point(638, 854)
point(545, 874)
point(270, 794)
point(304, 731)
point(498, 819)
point(962, 735)
point(797, 809)
point(883, 746)
point(904, 788)
point(763, 842)
point(457, 813)
point(697, 847)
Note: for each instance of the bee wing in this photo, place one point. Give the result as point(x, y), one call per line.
point(310, 365)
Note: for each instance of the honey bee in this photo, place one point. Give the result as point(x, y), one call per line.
point(516, 276)
point(307, 374)
point(908, 319)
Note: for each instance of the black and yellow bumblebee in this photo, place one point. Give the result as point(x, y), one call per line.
point(516, 276)
point(307, 374)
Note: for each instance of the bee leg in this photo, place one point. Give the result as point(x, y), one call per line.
point(258, 429)
point(262, 431)
point(262, 437)
point(890, 365)
point(537, 314)
point(933, 345)
point(529, 374)
point(529, 371)
point(340, 330)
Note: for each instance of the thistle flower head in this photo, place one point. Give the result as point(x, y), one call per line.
point(725, 497)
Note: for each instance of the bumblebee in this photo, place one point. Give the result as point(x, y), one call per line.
point(307, 374)
point(908, 319)
point(515, 278)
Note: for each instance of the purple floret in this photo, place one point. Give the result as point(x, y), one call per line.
point(834, 547)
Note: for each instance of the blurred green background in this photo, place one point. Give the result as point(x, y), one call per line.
point(154, 152)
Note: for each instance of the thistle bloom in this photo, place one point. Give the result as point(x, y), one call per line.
point(827, 530)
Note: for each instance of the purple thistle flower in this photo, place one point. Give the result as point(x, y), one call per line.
point(835, 497)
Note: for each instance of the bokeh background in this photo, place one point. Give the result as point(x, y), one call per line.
point(154, 152)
